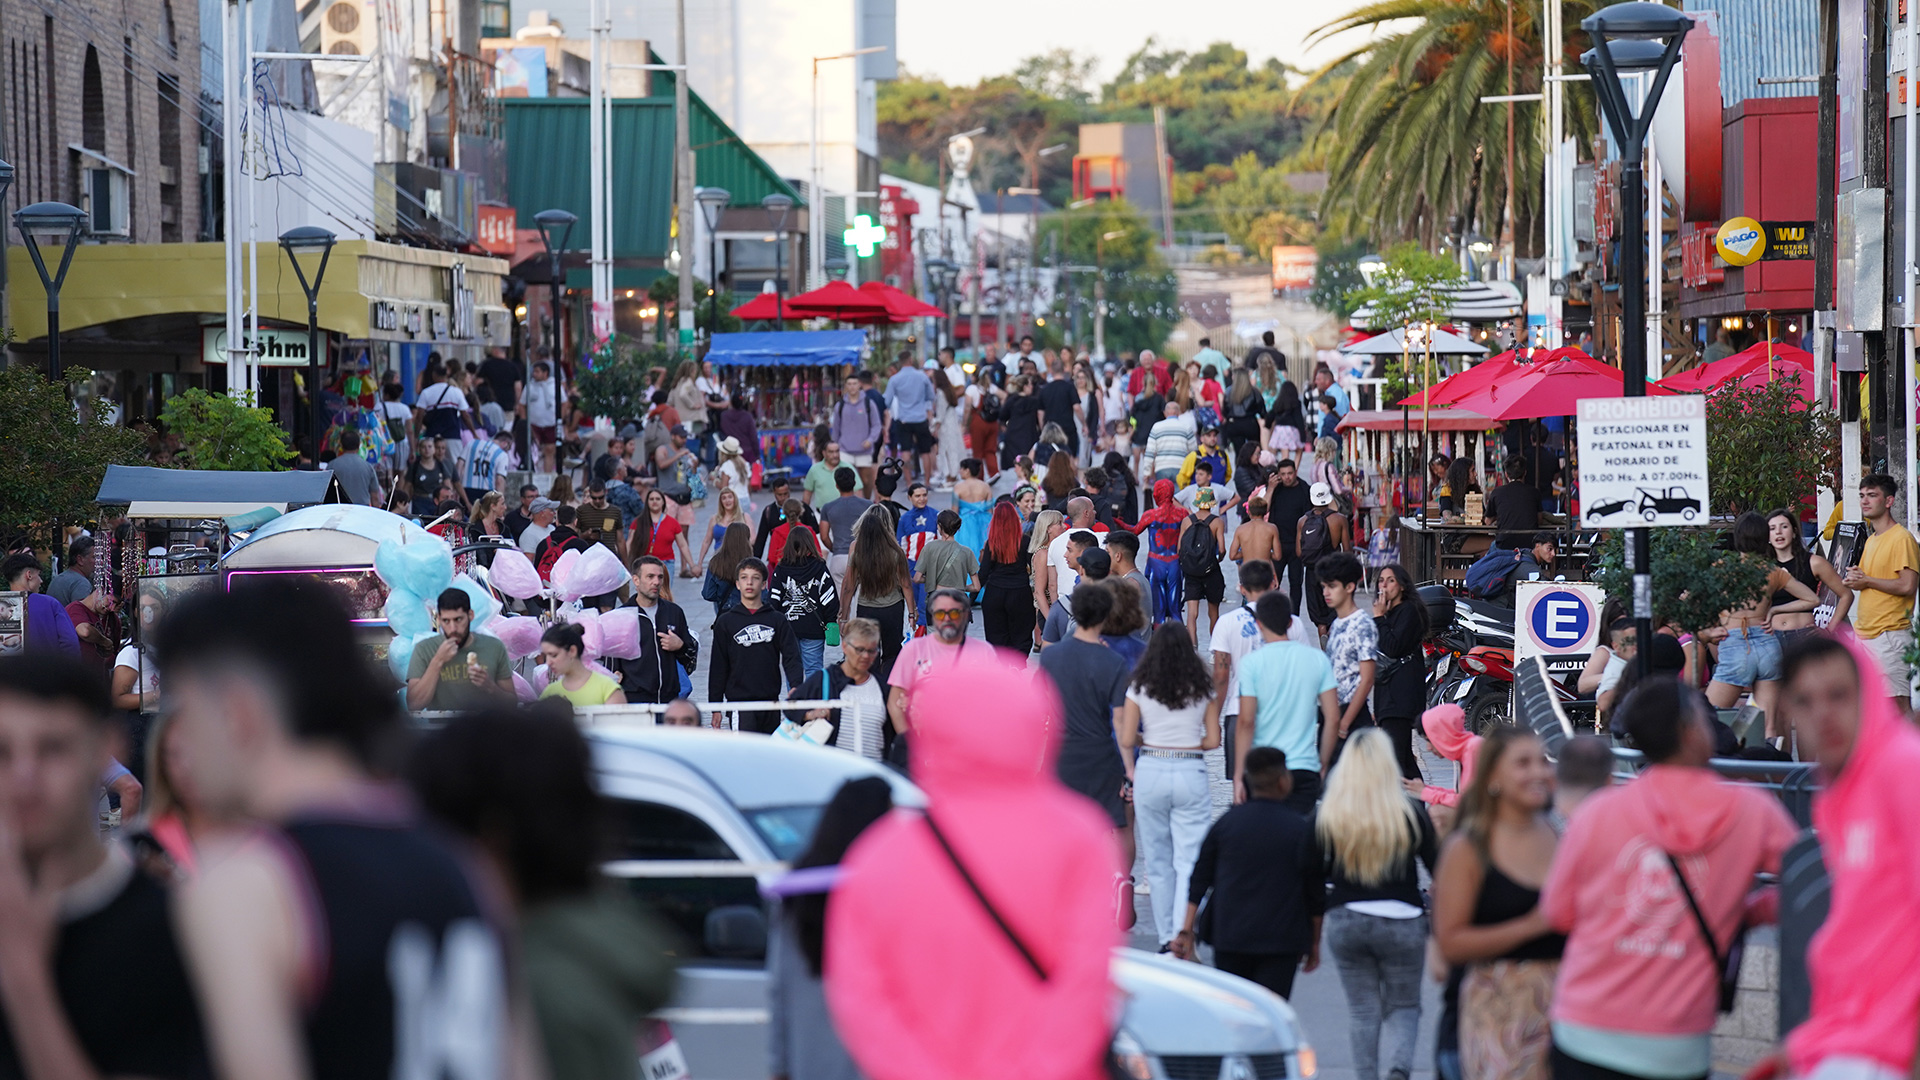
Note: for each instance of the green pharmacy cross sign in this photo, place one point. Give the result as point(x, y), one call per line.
point(864, 236)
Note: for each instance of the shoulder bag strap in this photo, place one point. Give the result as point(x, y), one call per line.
point(1019, 946)
point(1713, 947)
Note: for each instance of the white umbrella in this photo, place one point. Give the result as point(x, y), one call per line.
point(1394, 342)
point(1468, 301)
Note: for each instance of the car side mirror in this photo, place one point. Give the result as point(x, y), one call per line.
point(737, 932)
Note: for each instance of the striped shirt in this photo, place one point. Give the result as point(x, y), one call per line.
point(485, 462)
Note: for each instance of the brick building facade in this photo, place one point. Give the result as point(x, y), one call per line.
point(102, 110)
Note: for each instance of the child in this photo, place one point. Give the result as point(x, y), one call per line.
point(945, 563)
point(1446, 728)
point(914, 529)
point(1200, 563)
point(1257, 539)
point(1262, 867)
point(1351, 642)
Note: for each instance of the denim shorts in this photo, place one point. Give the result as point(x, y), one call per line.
point(1748, 656)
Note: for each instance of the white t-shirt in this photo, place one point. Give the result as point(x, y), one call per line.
point(1185, 496)
point(147, 679)
point(442, 396)
point(1237, 634)
point(1057, 558)
point(863, 738)
point(539, 399)
point(1170, 728)
point(1114, 399)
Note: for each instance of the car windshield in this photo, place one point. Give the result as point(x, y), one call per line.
point(786, 829)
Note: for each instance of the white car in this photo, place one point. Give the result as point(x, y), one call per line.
point(705, 817)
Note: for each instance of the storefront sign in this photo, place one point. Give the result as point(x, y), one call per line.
point(1698, 265)
point(896, 251)
point(1559, 620)
point(494, 229)
point(1293, 266)
point(1741, 241)
point(277, 348)
point(1643, 461)
point(459, 303)
point(1788, 240)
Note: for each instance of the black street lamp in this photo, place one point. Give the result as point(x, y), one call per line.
point(712, 202)
point(50, 223)
point(311, 238)
point(778, 206)
point(1634, 37)
point(556, 227)
point(940, 275)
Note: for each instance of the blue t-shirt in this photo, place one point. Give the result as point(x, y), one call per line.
point(910, 395)
point(1287, 679)
point(916, 530)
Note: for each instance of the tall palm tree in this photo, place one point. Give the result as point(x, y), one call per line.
point(1411, 150)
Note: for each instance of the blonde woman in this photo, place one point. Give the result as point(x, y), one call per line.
point(1047, 526)
point(731, 470)
point(727, 513)
point(1486, 909)
point(1371, 834)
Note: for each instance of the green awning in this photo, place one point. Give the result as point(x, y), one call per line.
point(547, 141)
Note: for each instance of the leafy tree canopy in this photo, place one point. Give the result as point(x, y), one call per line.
point(1142, 294)
point(1765, 450)
point(56, 452)
point(223, 433)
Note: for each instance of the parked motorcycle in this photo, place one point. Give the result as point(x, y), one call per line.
point(1469, 655)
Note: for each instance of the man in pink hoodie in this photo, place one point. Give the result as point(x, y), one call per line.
point(1639, 986)
point(1864, 964)
point(922, 984)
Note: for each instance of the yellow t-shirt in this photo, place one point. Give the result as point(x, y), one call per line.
point(1886, 554)
point(595, 691)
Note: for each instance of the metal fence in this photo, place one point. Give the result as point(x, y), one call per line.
point(858, 732)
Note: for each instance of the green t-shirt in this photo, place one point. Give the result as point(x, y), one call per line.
point(947, 564)
point(819, 484)
point(455, 693)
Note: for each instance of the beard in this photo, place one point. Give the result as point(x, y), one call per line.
point(950, 632)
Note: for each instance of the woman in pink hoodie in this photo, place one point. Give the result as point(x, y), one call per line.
point(1446, 728)
point(1864, 963)
point(1639, 985)
point(922, 983)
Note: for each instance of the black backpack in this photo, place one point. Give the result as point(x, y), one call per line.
point(1315, 535)
point(1199, 553)
point(989, 407)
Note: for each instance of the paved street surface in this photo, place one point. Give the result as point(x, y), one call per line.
point(1318, 997)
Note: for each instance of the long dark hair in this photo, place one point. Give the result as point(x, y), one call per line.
point(1061, 477)
point(1800, 561)
point(1170, 671)
point(878, 564)
point(735, 544)
point(1460, 479)
point(1286, 408)
point(1750, 535)
point(1408, 598)
point(857, 805)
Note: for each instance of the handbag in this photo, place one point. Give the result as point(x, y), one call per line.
point(833, 634)
point(1728, 963)
point(1115, 1070)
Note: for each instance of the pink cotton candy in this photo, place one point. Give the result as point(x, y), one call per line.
point(521, 689)
point(519, 633)
point(620, 634)
point(596, 570)
point(561, 567)
point(513, 574)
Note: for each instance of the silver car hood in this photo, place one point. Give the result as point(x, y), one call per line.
point(1180, 1007)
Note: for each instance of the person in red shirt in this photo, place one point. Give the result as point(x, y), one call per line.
point(96, 642)
point(1162, 374)
point(659, 534)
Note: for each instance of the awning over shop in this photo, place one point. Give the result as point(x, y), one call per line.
point(788, 348)
point(372, 290)
point(198, 493)
point(322, 536)
point(1396, 419)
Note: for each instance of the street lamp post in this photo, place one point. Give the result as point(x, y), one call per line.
point(50, 223)
point(713, 201)
point(1636, 37)
point(311, 238)
point(778, 206)
point(940, 276)
point(1100, 292)
point(556, 227)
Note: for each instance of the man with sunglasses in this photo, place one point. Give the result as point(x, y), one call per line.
point(948, 612)
point(851, 680)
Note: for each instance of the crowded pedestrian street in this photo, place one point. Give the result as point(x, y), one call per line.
point(856, 540)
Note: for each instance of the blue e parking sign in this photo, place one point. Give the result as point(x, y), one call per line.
point(1557, 619)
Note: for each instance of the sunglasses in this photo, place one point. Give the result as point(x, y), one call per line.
point(862, 650)
point(949, 614)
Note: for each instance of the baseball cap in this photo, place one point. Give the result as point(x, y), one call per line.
point(542, 504)
point(1321, 494)
point(1095, 562)
point(931, 364)
point(678, 429)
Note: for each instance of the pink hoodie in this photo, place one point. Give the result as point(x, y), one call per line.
point(1864, 963)
point(1446, 728)
point(922, 984)
point(1635, 961)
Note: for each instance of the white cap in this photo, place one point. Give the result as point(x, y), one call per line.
point(1321, 494)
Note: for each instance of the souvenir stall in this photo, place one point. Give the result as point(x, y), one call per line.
point(791, 377)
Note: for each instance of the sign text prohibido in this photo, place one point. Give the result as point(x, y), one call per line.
point(1643, 461)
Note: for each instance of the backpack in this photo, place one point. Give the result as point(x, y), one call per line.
point(1487, 577)
point(1316, 536)
point(989, 408)
point(1199, 553)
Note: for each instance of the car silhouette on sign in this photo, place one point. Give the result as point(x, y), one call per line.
point(1609, 508)
point(1672, 501)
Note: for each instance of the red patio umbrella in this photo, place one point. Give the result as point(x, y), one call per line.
point(900, 306)
point(839, 300)
point(762, 306)
point(1762, 357)
point(1459, 385)
point(1548, 388)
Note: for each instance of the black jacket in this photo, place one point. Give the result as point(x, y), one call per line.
point(1263, 867)
point(750, 648)
point(1285, 507)
point(653, 676)
point(805, 593)
point(827, 685)
point(1402, 884)
point(1401, 693)
point(770, 519)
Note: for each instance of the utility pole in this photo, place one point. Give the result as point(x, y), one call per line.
point(600, 235)
point(683, 180)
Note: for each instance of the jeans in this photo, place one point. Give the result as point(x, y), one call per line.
point(1747, 656)
point(1172, 808)
point(813, 652)
point(1380, 962)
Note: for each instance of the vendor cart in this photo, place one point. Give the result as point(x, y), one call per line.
point(791, 377)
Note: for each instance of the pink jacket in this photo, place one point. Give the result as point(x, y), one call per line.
point(922, 984)
point(1864, 963)
point(1446, 728)
point(1631, 939)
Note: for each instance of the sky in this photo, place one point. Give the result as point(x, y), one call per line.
point(989, 37)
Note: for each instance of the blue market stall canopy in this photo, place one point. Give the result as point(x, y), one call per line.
point(788, 348)
point(193, 493)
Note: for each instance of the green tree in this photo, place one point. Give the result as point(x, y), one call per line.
point(1143, 296)
point(1409, 290)
point(618, 384)
point(1766, 449)
point(1694, 578)
point(56, 452)
point(223, 433)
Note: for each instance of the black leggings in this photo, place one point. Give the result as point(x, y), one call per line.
point(1007, 616)
point(893, 623)
point(1400, 730)
point(1272, 970)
